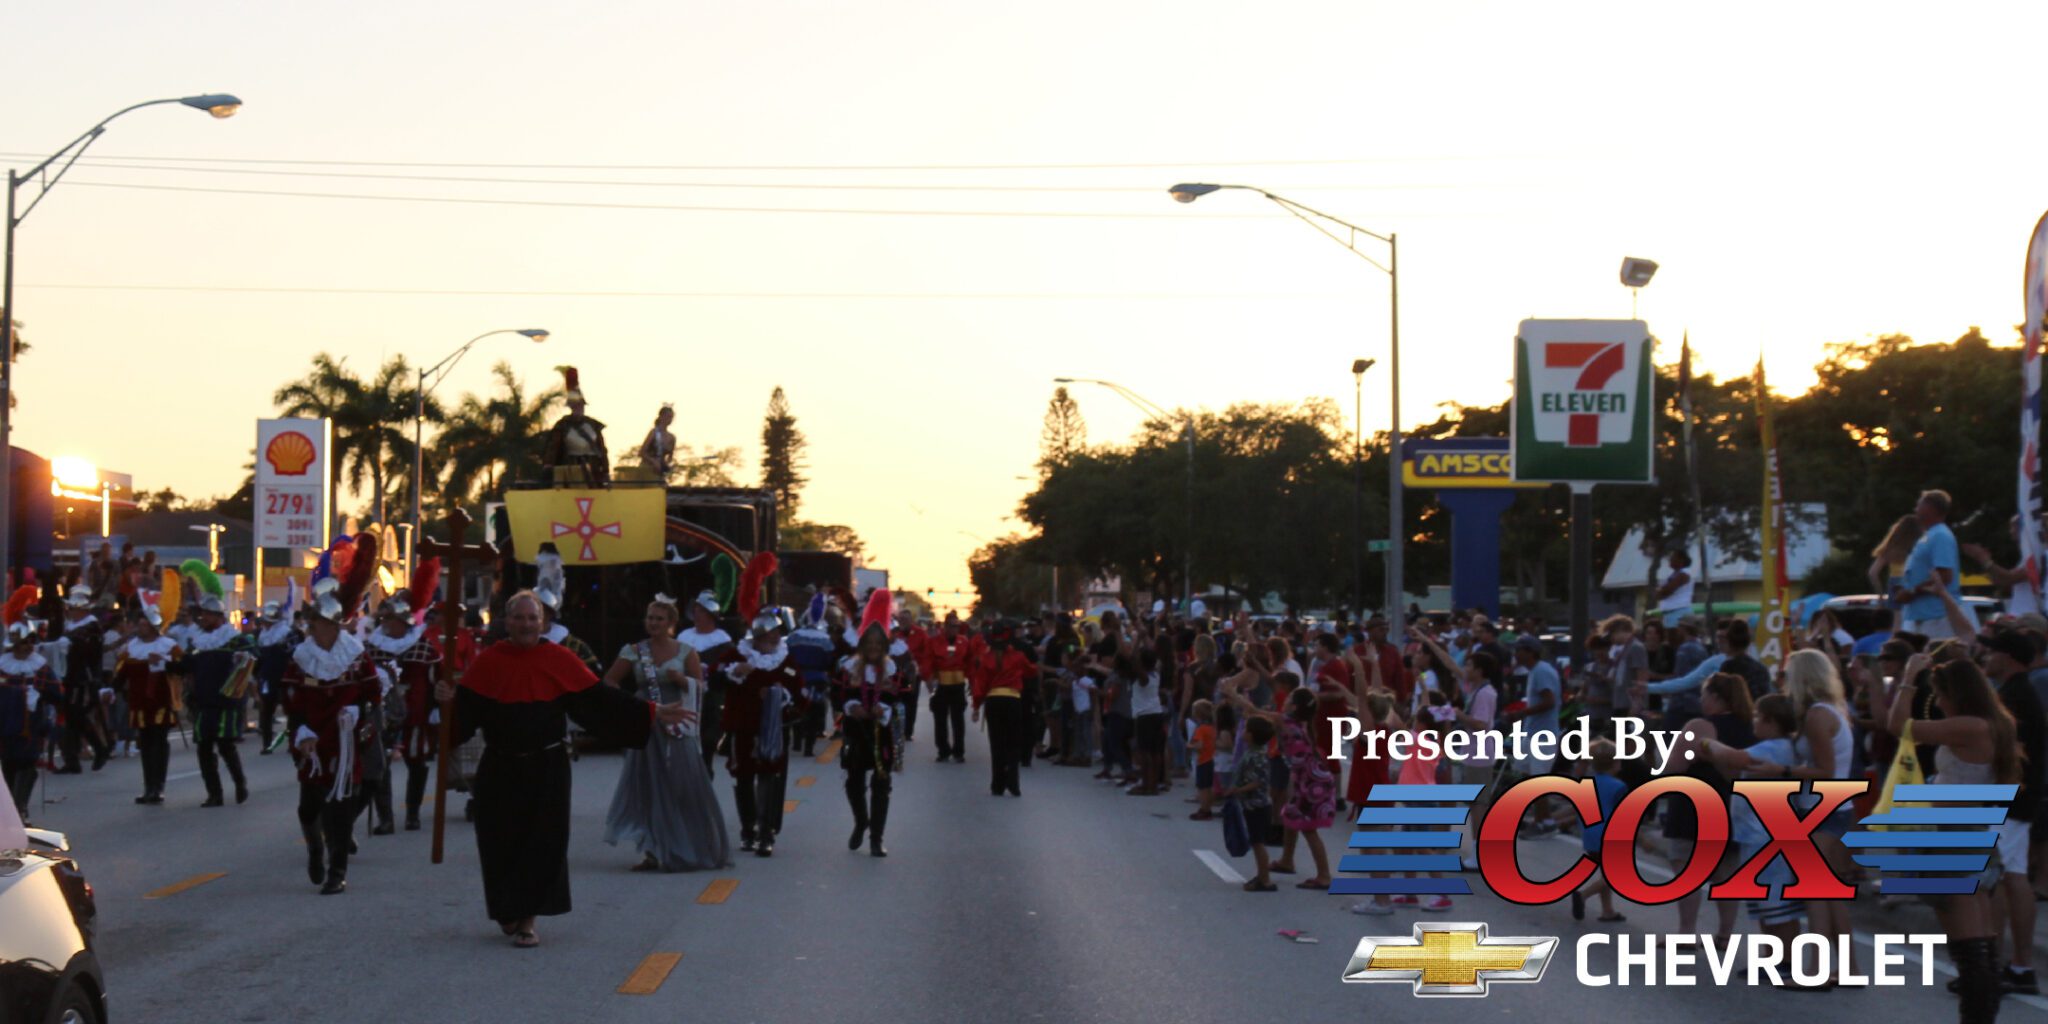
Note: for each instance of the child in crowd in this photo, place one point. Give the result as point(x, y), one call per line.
point(1203, 746)
point(1081, 695)
point(1251, 787)
point(1776, 725)
point(1608, 789)
point(1378, 721)
point(1227, 744)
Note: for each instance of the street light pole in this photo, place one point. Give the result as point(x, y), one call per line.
point(1151, 408)
point(439, 371)
point(220, 105)
point(1358, 368)
point(1396, 517)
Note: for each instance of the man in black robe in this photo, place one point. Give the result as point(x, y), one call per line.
point(519, 693)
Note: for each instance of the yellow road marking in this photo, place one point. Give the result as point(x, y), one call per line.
point(718, 891)
point(788, 806)
point(831, 752)
point(648, 977)
point(807, 782)
point(190, 883)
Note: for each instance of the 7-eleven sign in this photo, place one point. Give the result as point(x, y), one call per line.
point(1583, 401)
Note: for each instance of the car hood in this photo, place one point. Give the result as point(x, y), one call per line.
point(12, 835)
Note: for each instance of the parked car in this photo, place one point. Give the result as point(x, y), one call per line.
point(1864, 614)
point(49, 973)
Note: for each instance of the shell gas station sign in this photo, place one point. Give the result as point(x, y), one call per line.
point(1584, 396)
point(293, 478)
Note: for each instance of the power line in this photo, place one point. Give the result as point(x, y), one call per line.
point(828, 296)
point(799, 167)
point(843, 211)
point(777, 185)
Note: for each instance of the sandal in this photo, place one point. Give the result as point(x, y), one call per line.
point(1310, 883)
point(509, 927)
point(1610, 919)
point(525, 939)
point(1254, 886)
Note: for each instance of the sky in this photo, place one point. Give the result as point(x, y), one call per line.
point(1805, 174)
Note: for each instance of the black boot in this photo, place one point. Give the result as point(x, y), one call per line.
point(415, 793)
point(856, 798)
point(338, 849)
point(233, 759)
point(878, 816)
point(1977, 970)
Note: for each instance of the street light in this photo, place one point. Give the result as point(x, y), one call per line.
point(1151, 408)
point(1635, 273)
point(1358, 368)
point(212, 532)
point(220, 105)
point(439, 371)
point(1188, 192)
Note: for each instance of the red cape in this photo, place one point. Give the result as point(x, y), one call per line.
point(511, 674)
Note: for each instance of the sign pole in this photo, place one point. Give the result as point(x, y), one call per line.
point(1582, 570)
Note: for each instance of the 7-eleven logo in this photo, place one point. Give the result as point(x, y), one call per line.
point(1584, 392)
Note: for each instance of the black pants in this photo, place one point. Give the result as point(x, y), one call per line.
point(1034, 724)
point(949, 719)
point(154, 742)
point(266, 718)
point(417, 772)
point(759, 796)
point(212, 751)
point(327, 823)
point(21, 781)
point(82, 727)
point(910, 716)
point(1006, 742)
point(870, 802)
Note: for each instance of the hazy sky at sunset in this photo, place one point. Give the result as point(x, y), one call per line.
point(1805, 173)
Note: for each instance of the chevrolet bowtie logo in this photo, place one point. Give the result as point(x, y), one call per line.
point(1450, 958)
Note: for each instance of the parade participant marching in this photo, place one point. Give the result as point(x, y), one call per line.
point(813, 653)
point(715, 650)
point(944, 659)
point(29, 695)
point(83, 647)
point(907, 648)
point(999, 672)
point(519, 694)
point(871, 750)
point(399, 648)
point(767, 697)
point(332, 696)
point(276, 636)
point(143, 672)
point(218, 666)
point(664, 805)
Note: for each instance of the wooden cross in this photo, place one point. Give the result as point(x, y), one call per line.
point(451, 555)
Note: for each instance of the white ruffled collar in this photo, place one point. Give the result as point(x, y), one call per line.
point(701, 642)
point(13, 666)
point(395, 645)
point(327, 664)
point(205, 641)
point(768, 662)
point(140, 649)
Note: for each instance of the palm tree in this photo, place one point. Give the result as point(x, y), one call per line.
point(380, 432)
point(496, 438)
point(328, 391)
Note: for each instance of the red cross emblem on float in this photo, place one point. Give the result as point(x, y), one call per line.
point(585, 530)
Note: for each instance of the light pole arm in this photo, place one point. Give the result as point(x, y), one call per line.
point(76, 148)
point(440, 371)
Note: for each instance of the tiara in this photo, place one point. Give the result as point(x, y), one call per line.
point(661, 598)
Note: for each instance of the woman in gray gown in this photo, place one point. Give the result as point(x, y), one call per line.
point(664, 805)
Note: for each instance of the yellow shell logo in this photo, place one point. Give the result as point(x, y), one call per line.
point(289, 454)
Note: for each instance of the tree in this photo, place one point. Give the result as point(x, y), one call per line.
point(1006, 580)
point(327, 392)
point(712, 467)
point(162, 500)
point(20, 349)
point(1064, 433)
point(782, 455)
point(802, 536)
point(497, 438)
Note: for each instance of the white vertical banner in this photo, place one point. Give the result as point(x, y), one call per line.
point(293, 483)
point(2029, 497)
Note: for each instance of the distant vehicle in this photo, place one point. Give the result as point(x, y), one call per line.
point(1864, 614)
point(48, 969)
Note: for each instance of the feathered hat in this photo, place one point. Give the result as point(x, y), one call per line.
point(766, 624)
point(15, 614)
point(172, 594)
point(814, 613)
point(725, 575)
point(879, 613)
point(362, 569)
point(426, 578)
point(755, 580)
point(203, 578)
point(572, 386)
point(324, 602)
point(79, 597)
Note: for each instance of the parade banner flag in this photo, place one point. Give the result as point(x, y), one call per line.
point(1770, 620)
point(589, 526)
point(2036, 291)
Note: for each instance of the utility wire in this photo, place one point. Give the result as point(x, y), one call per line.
point(832, 296)
point(792, 167)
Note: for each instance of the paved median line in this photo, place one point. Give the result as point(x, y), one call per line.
point(190, 883)
point(788, 806)
point(831, 751)
point(646, 979)
point(1220, 866)
point(806, 782)
point(718, 891)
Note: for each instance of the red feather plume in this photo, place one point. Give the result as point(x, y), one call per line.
point(426, 576)
point(880, 611)
point(753, 581)
point(18, 603)
point(362, 569)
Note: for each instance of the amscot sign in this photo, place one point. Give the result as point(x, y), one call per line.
point(1584, 398)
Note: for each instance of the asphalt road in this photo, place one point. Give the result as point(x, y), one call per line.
point(1073, 904)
